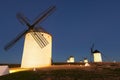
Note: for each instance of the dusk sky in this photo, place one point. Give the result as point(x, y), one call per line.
point(75, 26)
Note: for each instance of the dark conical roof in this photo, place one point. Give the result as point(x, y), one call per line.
point(40, 29)
point(96, 51)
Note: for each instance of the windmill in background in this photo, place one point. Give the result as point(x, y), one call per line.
point(37, 51)
point(97, 57)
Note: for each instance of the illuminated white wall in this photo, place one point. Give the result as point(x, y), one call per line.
point(97, 57)
point(71, 59)
point(85, 60)
point(34, 55)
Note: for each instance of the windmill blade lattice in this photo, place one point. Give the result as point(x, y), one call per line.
point(40, 36)
point(42, 42)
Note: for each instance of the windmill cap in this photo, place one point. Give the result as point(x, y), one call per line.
point(85, 58)
point(96, 51)
point(71, 56)
point(40, 29)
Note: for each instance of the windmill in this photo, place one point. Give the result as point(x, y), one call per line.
point(38, 42)
point(71, 59)
point(96, 54)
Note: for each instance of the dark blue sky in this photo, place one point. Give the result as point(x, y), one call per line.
point(75, 25)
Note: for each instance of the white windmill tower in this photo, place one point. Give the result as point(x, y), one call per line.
point(85, 60)
point(97, 57)
point(37, 51)
point(71, 59)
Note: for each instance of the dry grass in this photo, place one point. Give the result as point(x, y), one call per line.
point(69, 72)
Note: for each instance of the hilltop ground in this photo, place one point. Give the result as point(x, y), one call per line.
point(97, 71)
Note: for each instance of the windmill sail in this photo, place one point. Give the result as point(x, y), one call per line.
point(92, 49)
point(23, 20)
point(12, 43)
point(38, 36)
point(45, 14)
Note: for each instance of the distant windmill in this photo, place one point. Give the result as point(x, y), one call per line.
point(96, 55)
point(71, 59)
point(85, 60)
point(38, 43)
